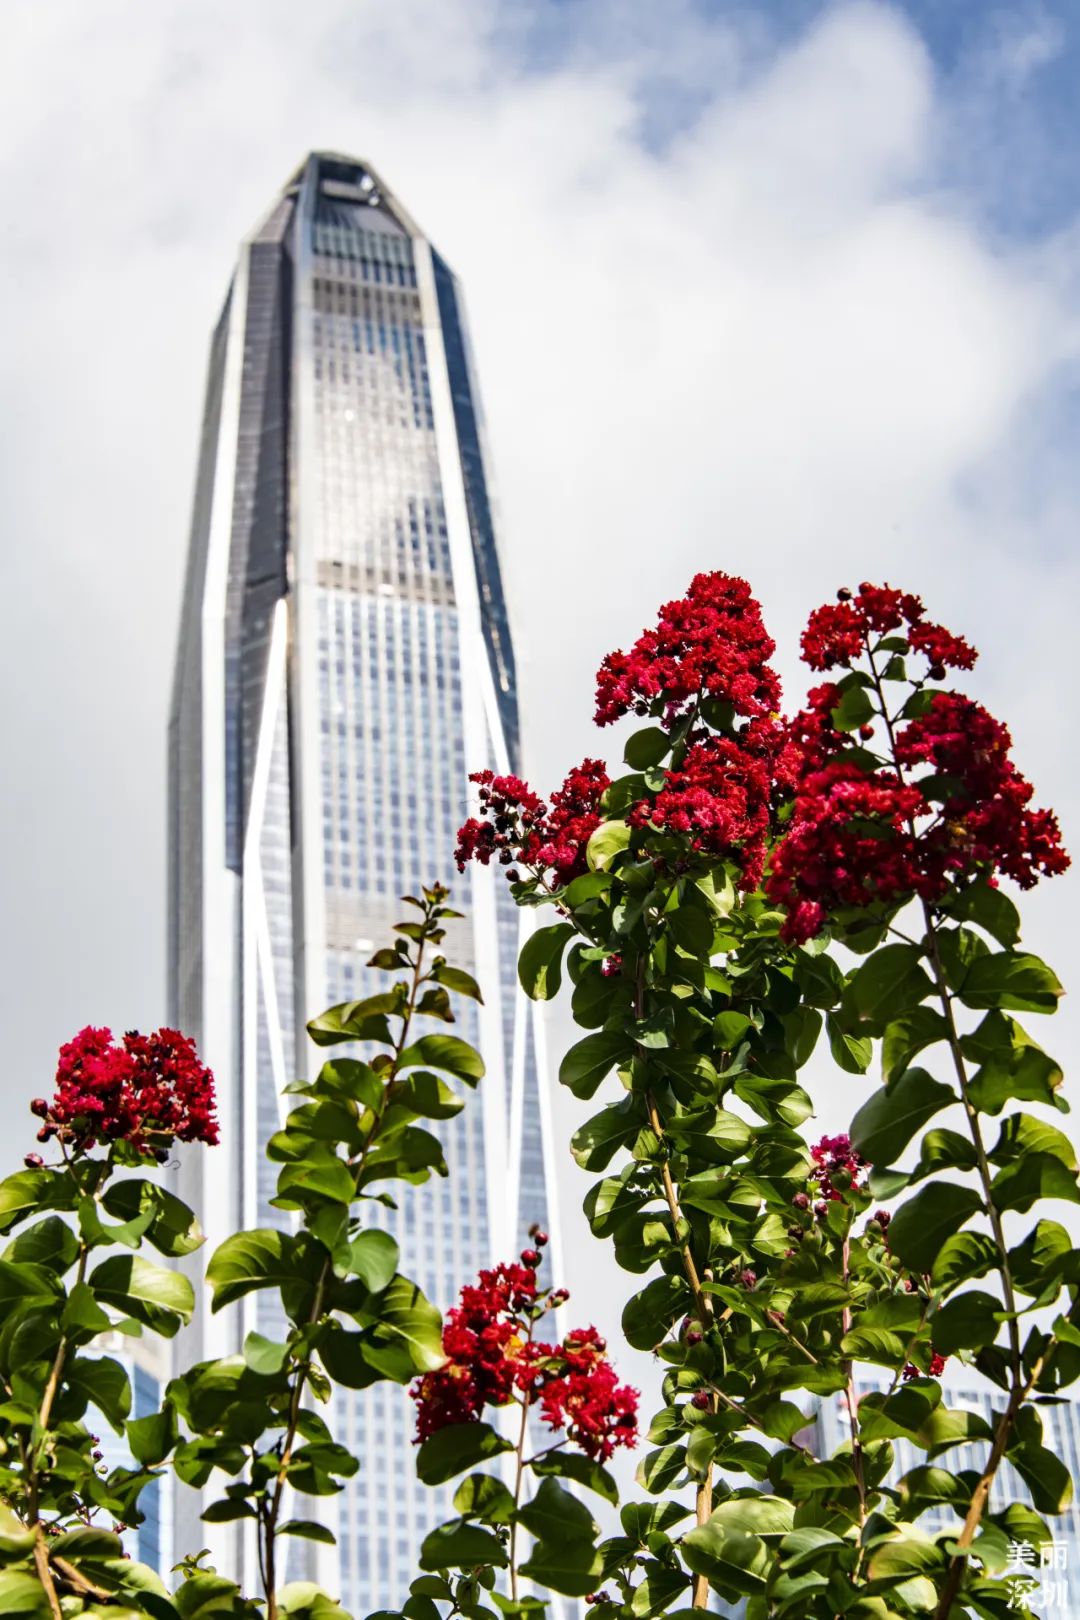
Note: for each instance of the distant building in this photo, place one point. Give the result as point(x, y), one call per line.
point(344, 662)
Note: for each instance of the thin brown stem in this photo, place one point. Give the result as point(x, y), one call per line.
point(41, 1564)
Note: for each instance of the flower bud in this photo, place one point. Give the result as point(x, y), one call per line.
point(530, 1257)
point(39, 1107)
point(33, 1161)
point(866, 732)
point(937, 672)
point(801, 1200)
point(694, 1336)
point(46, 1133)
point(843, 594)
point(700, 1399)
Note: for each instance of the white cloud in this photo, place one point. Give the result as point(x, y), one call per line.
point(769, 344)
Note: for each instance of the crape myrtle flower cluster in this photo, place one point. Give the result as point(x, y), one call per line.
point(148, 1091)
point(493, 1357)
point(521, 827)
point(711, 643)
point(864, 833)
point(710, 646)
point(837, 633)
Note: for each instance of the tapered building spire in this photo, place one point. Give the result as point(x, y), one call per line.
point(344, 662)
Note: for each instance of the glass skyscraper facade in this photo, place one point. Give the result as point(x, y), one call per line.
point(344, 661)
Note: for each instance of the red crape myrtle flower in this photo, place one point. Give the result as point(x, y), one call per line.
point(838, 632)
point(711, 643)
point(721, 794)
point(492, 1358)
point(833, 1154)
point(849, 843)
point(516, 825)
point(149, 1092)
point(985, 823)
point(955, 808)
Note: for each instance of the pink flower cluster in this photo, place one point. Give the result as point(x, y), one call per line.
point(148, 1091)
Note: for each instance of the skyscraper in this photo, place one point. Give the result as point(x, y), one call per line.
point(344, 662)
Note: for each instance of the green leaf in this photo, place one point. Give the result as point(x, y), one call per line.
point(159, 1298)
point(540, 962)
point(991, 909)
point(445, 1052)
point(451, 1450)
point(482, 1496)
point(1020, 1072)
point(884, 1125)
point(906, 1555)
point(855, 709)
point(905, 1037)
point(691, 927)
point(962, 1257)
point(1029, 1180)
point(890, 983)
point(1040, 1257)
point(646, 748)
point(262, 1258)
point(425, 1094)
point(173, 1229)
point(582, 1470)
point(658, 1470)
point(50, 1243)
point(965, 1322)
point(647, 1316)
point(1011, 980)
point(263, 1356)
point(589, 1061)
point(1043, 1472)
point(309, 1530)
point(921, 1226)
point(1022, 1134)
point(460, 1545)
point(407, 1338)
point(150, 1439)
point(596, 1142)
point(946, 1427)
point(572, 1567)
point(105, 1384)
point(555, 1515)
point(22, 1594)
point(351, 1021)
point(852, 1053)
point(873, 1344)
point(457, 980)
point(609, 840)
point(374, 1257)
point(24, 1191)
